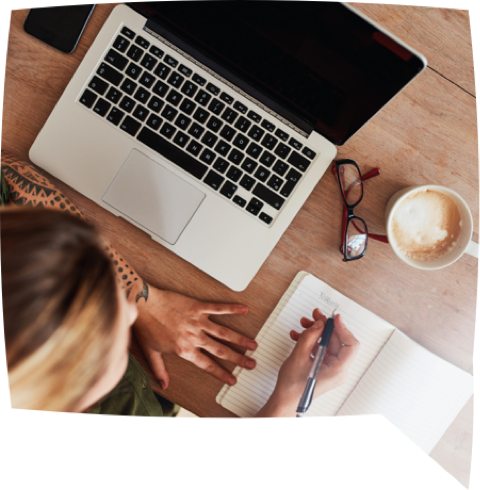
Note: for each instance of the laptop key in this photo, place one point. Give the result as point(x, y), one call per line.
point(183, 122)
point(214, 124)
point(236, 156)
point(174, 97)
point(156, 51)
point(226, 98)
point(229, 115)
point(170, 61)
point(216, 106)
point(130, 126)
point(142, 95)
point(187, 106)
point(241, 141)
point(169, 113)
point(268, 125)
point(140, 112)
point(280, 167)
point(267, 159)
point(115, 116)
point(240, 107)
point(214, 180)
point(293, 175)
point(209, 139)
point(207, 156)
point(148, 62)
point(220, 165)
point(288, 188)
point(254, 150)
point(275, 182)
point(116, 59)
point(133, 71)
point(203, 98)
point(234, 174)
point(269, 142)
point(135, 53)
point(282, 150)
point(109, 73)
point(254, 206)
point(223, 148)
point(296, 144)
point(114, 95)
point(99, 85)
point(262, 173)
point(254, 116)
point(256, 133)
point(155, 104)
point(127, 104)
point(160, 88)
point(270, 197)
point(181, 139)
point(196, 130)
point(142, 42)
point(281, 134)
point(154, 121)
point(228, 190)
point(129, 86)
point(102, 107)
point(213, 89)
point(298, 161)
point(240, 201)
point(194, 148)
point(249, 165)
point(128, 32)
point(176, 79)
point(265, 218)
point(243, 124)
point(184, 70)
point(172, 153)
point(247, 182)
point(162, 71)
point(227, 132)
point(198, 79)
point(201, 115)
point(309, 153)
point(167, 130)
point(189, 88)
point(121, 44)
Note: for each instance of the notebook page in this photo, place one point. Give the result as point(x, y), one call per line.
point(306, 293)
point(416, 390)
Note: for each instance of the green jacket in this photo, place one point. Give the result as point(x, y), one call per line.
point(134, 396)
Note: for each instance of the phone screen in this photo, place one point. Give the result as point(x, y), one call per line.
point(60, 27)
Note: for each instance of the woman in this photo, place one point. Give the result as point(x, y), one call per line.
point(67, 321)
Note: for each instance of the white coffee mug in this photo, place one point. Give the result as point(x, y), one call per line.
point(463, 242)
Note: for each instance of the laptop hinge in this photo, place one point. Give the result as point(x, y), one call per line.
point(150, 25)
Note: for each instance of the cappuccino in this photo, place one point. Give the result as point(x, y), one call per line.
point(426, 225)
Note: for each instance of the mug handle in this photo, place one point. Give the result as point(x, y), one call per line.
point(472, 249)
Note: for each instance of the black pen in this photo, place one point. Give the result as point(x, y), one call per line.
point(307, 396)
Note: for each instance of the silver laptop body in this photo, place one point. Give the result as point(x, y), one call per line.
point(226, 226)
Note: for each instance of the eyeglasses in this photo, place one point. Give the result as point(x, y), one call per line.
point(354, 229)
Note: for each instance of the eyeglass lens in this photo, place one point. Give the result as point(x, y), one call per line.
point(356, 238)
point(351, 182)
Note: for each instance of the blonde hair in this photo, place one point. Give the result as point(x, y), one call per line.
point(60, 303)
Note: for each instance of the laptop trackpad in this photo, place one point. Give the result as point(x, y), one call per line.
point(153, 196)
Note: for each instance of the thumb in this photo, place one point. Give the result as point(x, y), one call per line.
point(157, 365)
point(308, 338)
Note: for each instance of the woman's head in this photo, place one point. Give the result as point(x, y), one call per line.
point(66, 323)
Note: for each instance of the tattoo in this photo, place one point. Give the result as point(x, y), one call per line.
point(143, 293)
point(28, 187)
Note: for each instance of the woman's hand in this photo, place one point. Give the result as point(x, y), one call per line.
point(293, 375)
point(172, 323)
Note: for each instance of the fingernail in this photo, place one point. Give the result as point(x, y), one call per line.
point(162, 384)
point(232, 380)
point(251, 345)
point(250, 364)
point(244, 309)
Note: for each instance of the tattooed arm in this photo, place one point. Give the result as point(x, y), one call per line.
point(168, 323)
point(29, 188)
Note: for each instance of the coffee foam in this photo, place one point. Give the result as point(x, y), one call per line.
point(426, 225)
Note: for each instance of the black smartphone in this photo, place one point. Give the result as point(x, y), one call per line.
point(60, 27)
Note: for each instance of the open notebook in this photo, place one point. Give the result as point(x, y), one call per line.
point(392, 375)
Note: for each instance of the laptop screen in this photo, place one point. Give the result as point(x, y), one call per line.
point(317, 64)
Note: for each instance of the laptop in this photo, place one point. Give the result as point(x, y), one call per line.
point(208, 124)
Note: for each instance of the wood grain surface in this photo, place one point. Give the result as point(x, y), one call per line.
point(428, 134)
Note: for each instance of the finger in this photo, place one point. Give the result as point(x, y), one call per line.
point(306, 323)
point(229, 335)
point(308, 338)
point(345, 336)
point(157, 364)
point(222, 309)
point(318, 315)
point(223, 352)
point(210, 366)
point(294, 335)
point(334, 345)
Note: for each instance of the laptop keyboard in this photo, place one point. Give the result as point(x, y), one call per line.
point(206, 132)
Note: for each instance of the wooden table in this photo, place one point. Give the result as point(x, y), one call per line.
point(426, 135)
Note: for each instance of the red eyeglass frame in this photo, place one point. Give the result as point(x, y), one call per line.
point(369, 175)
